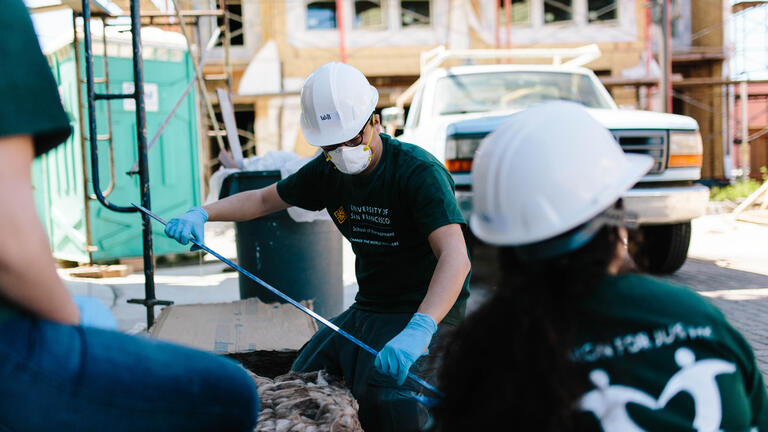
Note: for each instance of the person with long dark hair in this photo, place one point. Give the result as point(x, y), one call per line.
point(568, 342)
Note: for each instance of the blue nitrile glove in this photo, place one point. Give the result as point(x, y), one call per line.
point(94, 313)
point(399, 354)
point(190, 223)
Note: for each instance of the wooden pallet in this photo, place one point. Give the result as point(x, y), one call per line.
point(100, 271)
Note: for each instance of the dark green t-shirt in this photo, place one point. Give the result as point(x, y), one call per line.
point(387, 216)
point(662, 358)
point(29, 100)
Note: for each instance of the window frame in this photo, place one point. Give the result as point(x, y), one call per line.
point(574, 6)
point(383, 5)
point(527, 23)
point(240, 19)
point(431, 4)
point(306, 9)
point(393, 34)
point(249, 16)
point(603, 21)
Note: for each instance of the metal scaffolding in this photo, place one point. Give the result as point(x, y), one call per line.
point(104, 12)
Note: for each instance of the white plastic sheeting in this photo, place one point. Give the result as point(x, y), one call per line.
point(285, 162)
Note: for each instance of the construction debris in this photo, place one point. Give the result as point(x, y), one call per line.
point(306, 402)
point(100, 271)
point(754, 208)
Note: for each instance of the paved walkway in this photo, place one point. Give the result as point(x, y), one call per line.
point(729, 265)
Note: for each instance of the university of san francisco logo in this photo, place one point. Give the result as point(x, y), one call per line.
point(340, 215)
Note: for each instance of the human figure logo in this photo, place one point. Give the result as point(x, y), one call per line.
point(697, 378)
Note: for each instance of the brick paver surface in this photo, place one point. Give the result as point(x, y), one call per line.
point(741, 295)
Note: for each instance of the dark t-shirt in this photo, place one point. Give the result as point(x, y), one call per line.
point(387, 216)
point(29, 100)
point(662, 358)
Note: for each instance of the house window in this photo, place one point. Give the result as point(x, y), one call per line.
point(414, 13)
point(557, 11)
point(321, 15)
point(369, 14)
point(235, 24)
point(518, 12)
point(601, 10)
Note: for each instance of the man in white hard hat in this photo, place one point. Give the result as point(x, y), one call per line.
point(395, 203)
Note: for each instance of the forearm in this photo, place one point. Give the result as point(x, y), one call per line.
point(446, 284)
point(246, 205)
point(28, 275)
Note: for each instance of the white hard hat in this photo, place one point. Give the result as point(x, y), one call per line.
point(547, 170)
point(336, 101)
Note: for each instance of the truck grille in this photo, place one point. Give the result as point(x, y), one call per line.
point(650, 142)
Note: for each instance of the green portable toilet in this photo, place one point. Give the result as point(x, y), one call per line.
point(79, 227)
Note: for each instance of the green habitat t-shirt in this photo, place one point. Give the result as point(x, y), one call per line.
point(662, 358)
point(29, 99)
point(387, 216)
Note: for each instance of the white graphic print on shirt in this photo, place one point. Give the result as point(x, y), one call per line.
point(697, 378)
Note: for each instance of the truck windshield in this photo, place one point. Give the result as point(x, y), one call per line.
point(478, 92)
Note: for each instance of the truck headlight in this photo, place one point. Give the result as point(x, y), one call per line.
point(459, 153)
point(685, 149)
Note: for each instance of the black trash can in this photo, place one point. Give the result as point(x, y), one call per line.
point(301, 259)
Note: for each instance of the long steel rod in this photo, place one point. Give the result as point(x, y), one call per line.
point(743, 88)
point(227, 44)
point(298, 305)
point(138, 95)
point(81, 124)
point(141, 132)
point(110, 137)
point(340, 26)
point(666, 48)
point(184, 13)
point(92, 134)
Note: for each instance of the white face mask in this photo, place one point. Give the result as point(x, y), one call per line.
point(351, 160)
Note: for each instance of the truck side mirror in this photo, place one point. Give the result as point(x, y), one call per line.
point(392, 118)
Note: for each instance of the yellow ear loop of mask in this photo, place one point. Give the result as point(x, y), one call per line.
point(367, 145)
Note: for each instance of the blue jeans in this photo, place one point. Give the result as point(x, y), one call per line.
point(68, 378)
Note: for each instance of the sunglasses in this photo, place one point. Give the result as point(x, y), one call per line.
point(354, 142)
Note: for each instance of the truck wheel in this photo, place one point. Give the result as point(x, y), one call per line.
point(661, 249)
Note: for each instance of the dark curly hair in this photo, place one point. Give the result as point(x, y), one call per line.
point(509, 361)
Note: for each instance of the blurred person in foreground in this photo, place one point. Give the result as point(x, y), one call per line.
point(58, 371)
point(567, 343)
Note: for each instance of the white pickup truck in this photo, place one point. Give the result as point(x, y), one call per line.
point(453, 108)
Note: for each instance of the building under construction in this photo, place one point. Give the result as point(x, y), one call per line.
point(663, 56)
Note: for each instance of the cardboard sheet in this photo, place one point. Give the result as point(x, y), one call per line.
point(244, 325)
